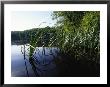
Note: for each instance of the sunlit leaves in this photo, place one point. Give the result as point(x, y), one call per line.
point(79, 30)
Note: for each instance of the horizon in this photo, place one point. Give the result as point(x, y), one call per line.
point(32, 28)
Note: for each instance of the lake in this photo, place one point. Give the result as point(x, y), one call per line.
point(42, 63)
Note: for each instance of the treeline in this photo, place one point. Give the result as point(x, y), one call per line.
point(28, 36)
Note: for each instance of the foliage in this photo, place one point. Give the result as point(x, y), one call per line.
point(78, 33)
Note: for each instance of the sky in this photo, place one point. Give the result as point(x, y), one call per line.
point(25, 20)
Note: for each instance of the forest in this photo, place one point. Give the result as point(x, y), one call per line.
point(23, 37)
point(76, 34)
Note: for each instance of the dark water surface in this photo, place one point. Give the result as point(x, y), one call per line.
point(49, 62)
point(42, 65)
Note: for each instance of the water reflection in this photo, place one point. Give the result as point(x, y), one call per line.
point(41, 63)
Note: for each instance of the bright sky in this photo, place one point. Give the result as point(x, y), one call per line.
point(23, 20)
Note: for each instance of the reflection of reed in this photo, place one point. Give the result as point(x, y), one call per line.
point(25, 61)
point(33, 60)
point(34, 68)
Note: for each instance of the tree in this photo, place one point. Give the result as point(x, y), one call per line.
point(78, 32)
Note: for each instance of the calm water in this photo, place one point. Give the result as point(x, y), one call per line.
point(42, 64)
